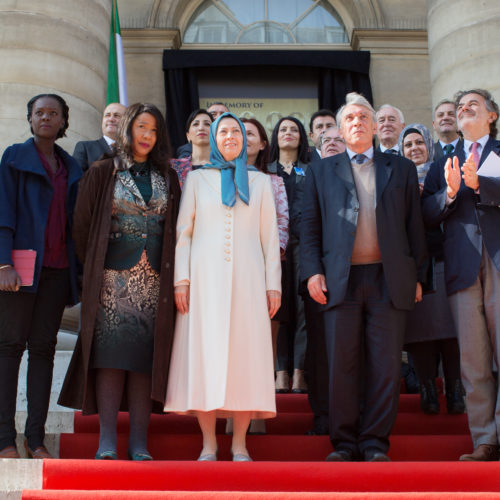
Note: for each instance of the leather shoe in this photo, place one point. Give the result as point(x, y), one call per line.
point(9, 452)
point(341, 455)
point(455, 397)
point(375, 455)
point(429, 397)
point(40, 452)
point(483, 453)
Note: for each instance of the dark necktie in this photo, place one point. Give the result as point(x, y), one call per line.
point(448, 149)
point(359, 159)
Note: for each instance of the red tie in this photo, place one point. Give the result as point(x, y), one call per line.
point(475, 153)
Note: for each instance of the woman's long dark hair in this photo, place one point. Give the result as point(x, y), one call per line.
point(194, 114)
point(64, 109)
point(263, 156)
point(303, 153)
point(161, 153)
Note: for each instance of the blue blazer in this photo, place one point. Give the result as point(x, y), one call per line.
point(468, 222)
point(25, 197)
point(329, 218)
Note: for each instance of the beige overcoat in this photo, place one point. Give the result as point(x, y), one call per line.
point(222, 354)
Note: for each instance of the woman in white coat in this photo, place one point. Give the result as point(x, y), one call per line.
point(227, 287)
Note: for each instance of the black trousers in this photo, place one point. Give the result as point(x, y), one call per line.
point(364, 338)
point(316, 364)
point(30, 320)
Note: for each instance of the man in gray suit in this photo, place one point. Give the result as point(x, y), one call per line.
point(445, 125)
point(87, 152)
point(467, 203)
point(363, 257)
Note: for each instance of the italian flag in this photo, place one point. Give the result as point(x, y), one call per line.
point(117, 81)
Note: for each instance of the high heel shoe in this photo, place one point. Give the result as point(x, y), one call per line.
point(241, 457)
point(282, 382)
point(106, 455)
point(208, 457)
point(139, 456)
point(299, 385)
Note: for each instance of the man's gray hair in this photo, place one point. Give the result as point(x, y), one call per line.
point(441, 102)
point(354, 98)
point(398, 111)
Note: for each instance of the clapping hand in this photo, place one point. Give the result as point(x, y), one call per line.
point(469, 169)
point(452, 176)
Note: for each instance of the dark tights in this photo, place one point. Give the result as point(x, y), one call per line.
point(110, 385)
point(426, 355)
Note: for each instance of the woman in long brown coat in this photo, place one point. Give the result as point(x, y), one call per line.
point(124, 231)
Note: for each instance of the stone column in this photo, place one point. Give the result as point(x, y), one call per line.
point(464, 46)
point(58, 47)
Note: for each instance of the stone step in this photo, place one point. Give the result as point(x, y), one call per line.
point(18, 475)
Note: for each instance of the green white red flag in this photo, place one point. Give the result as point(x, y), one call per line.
point(117, 81)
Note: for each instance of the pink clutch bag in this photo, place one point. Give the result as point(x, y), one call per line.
point(24, 264)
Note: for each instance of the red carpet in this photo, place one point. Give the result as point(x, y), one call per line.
point(239, 495)
point(288, 465)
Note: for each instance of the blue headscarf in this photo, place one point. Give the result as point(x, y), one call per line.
point(233, 174)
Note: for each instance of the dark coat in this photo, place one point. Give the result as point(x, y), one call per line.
point(25, 197)
point(293, 198)
point(438, 150)
point(91, 233)
point(87, 152)
point(468, 222)
point(329, 218)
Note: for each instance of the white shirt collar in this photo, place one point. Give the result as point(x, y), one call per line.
point(384, 149)
point(482, 142)
point(109, 141)
point(368, 153)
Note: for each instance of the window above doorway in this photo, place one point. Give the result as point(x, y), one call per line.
point(265, 22)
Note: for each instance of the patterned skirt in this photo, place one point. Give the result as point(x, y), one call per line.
point(124, 329)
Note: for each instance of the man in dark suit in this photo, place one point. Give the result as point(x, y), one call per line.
point(467, 203)
point(87, 152)
point(363, 256)
point(316, 361)
point(390, 123)
point(445, 125)
point(320, 121)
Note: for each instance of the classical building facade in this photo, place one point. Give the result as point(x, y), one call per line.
point(419, 51)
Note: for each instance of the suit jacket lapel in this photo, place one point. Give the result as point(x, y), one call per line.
point(105, 147)
point(383, 171)
point(343, 170)
point(491, 145)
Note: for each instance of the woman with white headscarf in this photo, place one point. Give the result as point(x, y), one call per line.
point(430, 333)
point(227, 287)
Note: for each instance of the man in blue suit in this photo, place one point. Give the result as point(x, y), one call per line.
point(468, 205)
point(363, 257)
